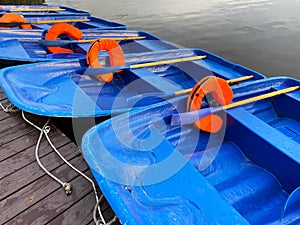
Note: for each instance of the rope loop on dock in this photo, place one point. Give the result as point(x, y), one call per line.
point(10, 108)
point(102, 220)
point(67, 186)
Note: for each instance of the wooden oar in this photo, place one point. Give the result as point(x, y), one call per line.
point(32, 10)
point(67, 42)
point(97, 71)
point(15, 24)
point(235, 80)
point(191, 117)
point(135, 98)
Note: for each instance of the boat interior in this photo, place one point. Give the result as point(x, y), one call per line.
point(255, 169)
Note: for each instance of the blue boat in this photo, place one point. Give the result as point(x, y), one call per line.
point(42, 10)
point(58, 89)
point(44, 22)
point(29, 47)
point(152, 172)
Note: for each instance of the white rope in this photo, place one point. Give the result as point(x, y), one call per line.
point(10, 108)
point(44, 131)
point(67, 186)
point(102, 221)
point(78, 171)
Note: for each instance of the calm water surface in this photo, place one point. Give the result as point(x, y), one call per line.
point(261, 34)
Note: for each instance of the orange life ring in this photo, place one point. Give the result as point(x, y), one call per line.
point(115, 52)
point(220, 92)
point(62, 28)
point(14, 18)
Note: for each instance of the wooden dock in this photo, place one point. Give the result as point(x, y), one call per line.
point(27, 194)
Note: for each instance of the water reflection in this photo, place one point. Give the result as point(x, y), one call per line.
point(21, 2)
point(260, 34)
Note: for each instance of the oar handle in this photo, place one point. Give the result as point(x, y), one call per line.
point(15, 24)
point(260, 97)
point(97, 71)
point(178, 93)
point(191, 117)
point(239, 79)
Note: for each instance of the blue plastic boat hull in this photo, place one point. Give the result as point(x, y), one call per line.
point(66, 11)
point(248, 173)
point(89, 22)
point(27, 47)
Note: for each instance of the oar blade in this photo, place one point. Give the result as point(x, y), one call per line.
point(148, 98)
point(96, 71)
point(54, 43)
point(191, 117)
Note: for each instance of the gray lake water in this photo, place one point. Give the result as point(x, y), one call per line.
point(263, 35)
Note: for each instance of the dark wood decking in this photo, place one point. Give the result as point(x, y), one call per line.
point(27, 194)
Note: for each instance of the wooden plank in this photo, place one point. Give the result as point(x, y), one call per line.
point(26, 141)
point(10, 122)
point(14, 132)
point(2, 96)
point(15, 127)
point(4, 115)
point(27, 194)
point(32, 172)
point(55, 203)
point(78, 214)
point(35, 192)
point(117, 222)
point(21, 152)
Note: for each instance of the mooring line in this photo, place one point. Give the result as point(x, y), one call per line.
point(67, 186)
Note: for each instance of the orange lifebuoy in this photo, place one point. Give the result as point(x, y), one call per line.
point(115, 52)
point(14, 18)
point(62, 28)
point(220, 92)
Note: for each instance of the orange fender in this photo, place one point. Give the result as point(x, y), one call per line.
point(115, 52)
point(62, 28)
point(14, 18)
point(220, 92)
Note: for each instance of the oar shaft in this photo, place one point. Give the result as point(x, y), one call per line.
point(193, 116)
point(114, 38)
point(260, 97)
point(235, 80)
point(96, 71)
point(37, 10)
point(15, 24)
point(59, 21)
point(136, 66)
point(50, 43)
point(239, 79)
